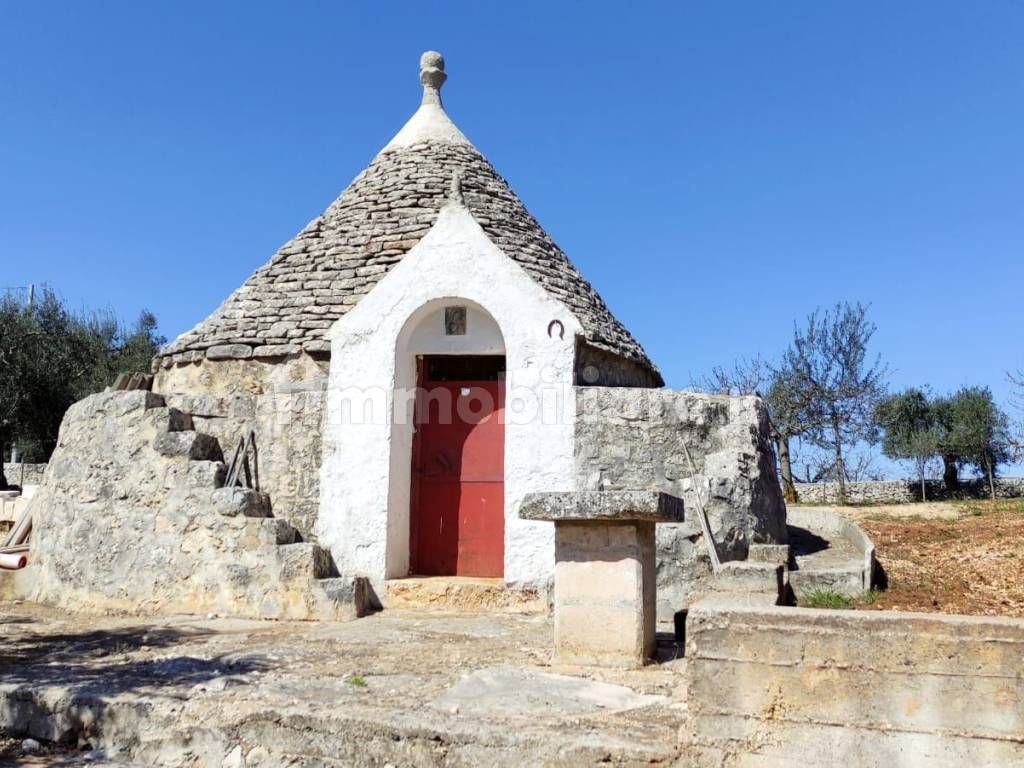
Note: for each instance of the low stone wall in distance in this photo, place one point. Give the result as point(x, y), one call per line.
point(24, 474)
point(906, 491)
point(778, 686)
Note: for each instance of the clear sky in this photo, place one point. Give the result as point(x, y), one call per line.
point(717, 170)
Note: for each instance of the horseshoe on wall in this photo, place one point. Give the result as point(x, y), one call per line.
point(561, 329)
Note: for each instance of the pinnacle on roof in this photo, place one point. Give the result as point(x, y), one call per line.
point(430, 122)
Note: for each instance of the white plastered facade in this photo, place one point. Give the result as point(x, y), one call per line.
point(365, 471)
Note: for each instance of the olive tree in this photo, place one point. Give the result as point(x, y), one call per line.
point(977, 432)
point(910, 430)
point(835, 382)
point(51, 357)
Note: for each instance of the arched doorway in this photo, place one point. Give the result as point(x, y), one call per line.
point(452, 351)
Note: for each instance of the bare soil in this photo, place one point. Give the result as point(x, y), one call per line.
point(948, 557)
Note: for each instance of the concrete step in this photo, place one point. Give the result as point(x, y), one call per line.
point(244, 502)
point(306, 559)
point(189, 444)
point(775, 554)
point(745, 577)
point(460, 594)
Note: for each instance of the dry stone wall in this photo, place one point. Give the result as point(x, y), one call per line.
point(633, 439)
point(24, 474)
point(906, 491)
point(284, 401)
point(132, 517)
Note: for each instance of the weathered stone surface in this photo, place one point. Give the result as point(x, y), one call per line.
point(245, 502)
point(24, 474)
point(774, 686)
point(121, 525)
point(651, 506)
point(604, 592)
point(398, 688)
point(634, 439)
point(229, 352)
point(748, 577)
point(284, 402)
point(846, 562)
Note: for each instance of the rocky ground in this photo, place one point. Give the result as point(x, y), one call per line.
point(948, 557)
point(399, 688)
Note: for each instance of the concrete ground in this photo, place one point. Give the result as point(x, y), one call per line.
point(396, 688)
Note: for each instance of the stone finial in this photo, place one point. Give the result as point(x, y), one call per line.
point(432, 76)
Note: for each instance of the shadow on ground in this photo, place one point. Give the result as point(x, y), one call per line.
point(95, 667)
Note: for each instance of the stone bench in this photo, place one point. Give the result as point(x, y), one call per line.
point(604, 571)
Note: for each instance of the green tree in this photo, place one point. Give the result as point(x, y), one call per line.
point(910, 431)
point(976, 431)
point(51, 357)
point(834, 382)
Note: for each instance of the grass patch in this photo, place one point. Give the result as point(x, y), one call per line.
point(825, 598)
point(357, 680)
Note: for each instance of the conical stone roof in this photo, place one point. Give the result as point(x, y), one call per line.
point(289, 303)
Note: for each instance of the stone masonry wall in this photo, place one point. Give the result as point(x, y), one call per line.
point(29, 474)
point(905, 491)
point(633, 439)
point(284, 400)
point(777, 687)
point(132, 517)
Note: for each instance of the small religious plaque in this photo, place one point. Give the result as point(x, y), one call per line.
point(454, 321)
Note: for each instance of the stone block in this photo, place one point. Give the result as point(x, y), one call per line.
point(229, 352)
point(603, 505)
point(745, 577)
point(306, 560)
point(604, 592)
point(775, 554)
point(190, 444)
point(246, 502)
point(347, 597)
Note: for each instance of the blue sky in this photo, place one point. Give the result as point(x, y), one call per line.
point(717, 170)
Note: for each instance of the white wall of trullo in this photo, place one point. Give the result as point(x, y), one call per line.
point(365, 471)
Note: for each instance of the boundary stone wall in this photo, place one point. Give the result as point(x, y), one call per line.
point(905, 491)
point(775, 686)
point(33, 473)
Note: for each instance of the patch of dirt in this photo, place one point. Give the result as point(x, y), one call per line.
point(953, 557)
point(928, 510)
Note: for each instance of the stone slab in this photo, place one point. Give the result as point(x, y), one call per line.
point(650, 506)
point(186, 691)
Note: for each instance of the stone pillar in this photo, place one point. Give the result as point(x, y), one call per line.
point(605, 600)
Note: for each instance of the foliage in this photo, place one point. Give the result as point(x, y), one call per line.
point(835, 384)
point(356, 681)
point(975, 431)
point(50, 357)
point(911, 432)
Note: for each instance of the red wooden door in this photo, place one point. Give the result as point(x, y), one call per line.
point(458, 493)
